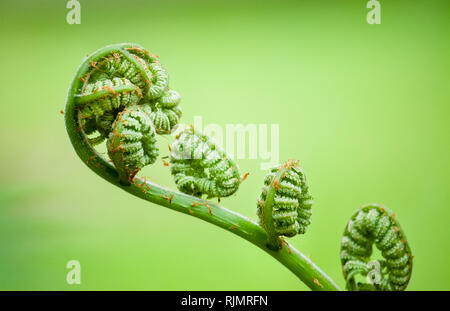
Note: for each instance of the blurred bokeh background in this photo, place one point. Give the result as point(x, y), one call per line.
point(364, 107)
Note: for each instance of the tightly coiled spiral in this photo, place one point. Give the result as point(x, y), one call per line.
point(200, 167)
point(375, 224)
point(149, 75)
point(132, 143)
point(166, 112)
point(125, 97)
point(284, 207)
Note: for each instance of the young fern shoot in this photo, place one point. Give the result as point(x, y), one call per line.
point(132, 142)
point(124, 95)
point(375, 224)
point(201, 167)
point(121, 93)
point(284, 207)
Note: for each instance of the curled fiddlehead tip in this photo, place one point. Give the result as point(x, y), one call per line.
point(375, 224)
point(132, 144)
point(166, 112)
point(284, 207)
point(200, 167)
point(122, 93)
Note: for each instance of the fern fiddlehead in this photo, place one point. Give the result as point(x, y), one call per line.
point(132, 143)
point(128, 61)
point(119, 98)
point(166, 112)
point(135, 64)
point(107, 95)
point(375, 224)
point(200, 167)
point(284, 207)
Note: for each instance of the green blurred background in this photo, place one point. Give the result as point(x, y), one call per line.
point(364, 107)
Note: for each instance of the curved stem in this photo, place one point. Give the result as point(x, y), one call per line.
point(240, 225)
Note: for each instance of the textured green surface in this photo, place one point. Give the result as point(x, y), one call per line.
point(284, 206)
point(364, 107)
point(132, 144)
point(375, 225)
point(201, 168)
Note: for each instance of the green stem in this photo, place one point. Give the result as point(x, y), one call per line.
point(240, 225)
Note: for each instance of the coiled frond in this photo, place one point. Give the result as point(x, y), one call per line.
point(165, 120)
point(107, 95)
point(125, 96)
point(200, 167)
point(166, 112)
point(375, 224)
point(151, 80)
point(132, 144)
point(284, 207)
point(138, 66)
point(169, 99)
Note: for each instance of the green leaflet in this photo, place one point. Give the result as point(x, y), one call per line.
point(170, 99)
point(132, 144)
point(375, 224)
point(136, 65)
point(107, 95)
point(166, 112)
point(200, 167)
point(284, 207)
